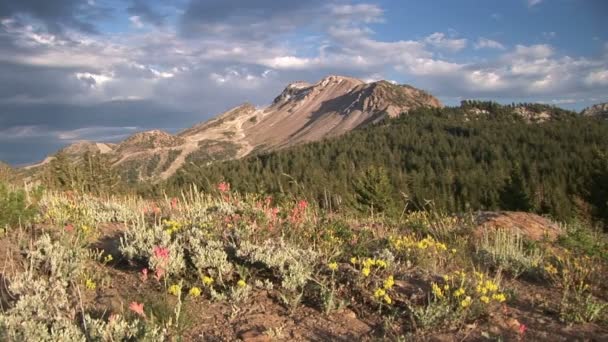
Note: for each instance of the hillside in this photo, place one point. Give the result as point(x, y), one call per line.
point(301, 113)
point(495, 160)
point(599, 110)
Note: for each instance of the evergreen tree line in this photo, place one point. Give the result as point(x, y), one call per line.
point(457, 160)
point(91, 173)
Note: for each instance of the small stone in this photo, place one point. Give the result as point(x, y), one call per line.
point(253, 335)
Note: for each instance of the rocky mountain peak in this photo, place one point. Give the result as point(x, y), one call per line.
point(148, 140)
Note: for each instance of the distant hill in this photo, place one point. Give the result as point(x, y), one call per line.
point(599, 110)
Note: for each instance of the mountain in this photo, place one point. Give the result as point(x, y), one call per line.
point(599, 110)
point(302, 113)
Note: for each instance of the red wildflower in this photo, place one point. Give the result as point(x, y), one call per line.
point(138, 308)
point(69, 227)
point(223, 187)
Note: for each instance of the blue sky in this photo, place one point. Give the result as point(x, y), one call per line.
point(103, 69)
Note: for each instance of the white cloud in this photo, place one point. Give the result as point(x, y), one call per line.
point(538, 51)
point(597, 78)
point(367, 13)
point(484, 43)
point(439, 40)
point(290, 62)
point(136, 21)
point(532, 3)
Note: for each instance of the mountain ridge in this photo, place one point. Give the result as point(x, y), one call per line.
point(301, 113)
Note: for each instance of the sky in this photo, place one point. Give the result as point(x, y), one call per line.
point(104, 69)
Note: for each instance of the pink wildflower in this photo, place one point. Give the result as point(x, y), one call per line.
point(159, 273)
point(144, 274)
point(138, 308)
point(161, 252)
point(223, 187)
point(302, 205)
point(174, 203)
point(522, 329)
point(69, 227)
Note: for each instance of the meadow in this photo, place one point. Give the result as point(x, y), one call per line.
point(220, 265)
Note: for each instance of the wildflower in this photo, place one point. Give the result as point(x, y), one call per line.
point(241, 283)
point(499, 297)
point(69, 228)
point(550, 269)
point(365, 271)
point(174, 201)
point(387, 299)
point(108, 258)
point(389, 282)
point(175, 289)
point(381, 263)
point(353, 260)
point(522, 329)
point(138, 308)
point(465, 303)
point(437, 290)
point(302, 205)
point(459, 292)
point(453, 250)
point(207, 280)
point(159, 273)
point(333, 266)
point(194, 292)
point(223, 187)
point(161, 252)
point(379, 293)
point(90, 284)
point(85, 229)
point(484, 299)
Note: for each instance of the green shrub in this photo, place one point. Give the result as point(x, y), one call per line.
point(14, 207)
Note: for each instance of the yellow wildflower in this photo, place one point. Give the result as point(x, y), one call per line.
point(381, 263)
point(437, 290)
point(353, 260)
point(366, 271)
point(465, 303)
point(459, 292)
point(379, 293)
point(389, 282)
point(108, 258)
point(207, 280)
point(90, 284)
point(175, 289)
point(333, 266)
point(484, 299)
point(499, 297)
point(241, 283)
point(387, 299)
point(194, 292)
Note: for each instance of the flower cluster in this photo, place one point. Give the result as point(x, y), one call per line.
point(368, 264)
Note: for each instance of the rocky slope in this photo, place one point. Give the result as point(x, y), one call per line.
point(303, 112)
point(599, 110)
